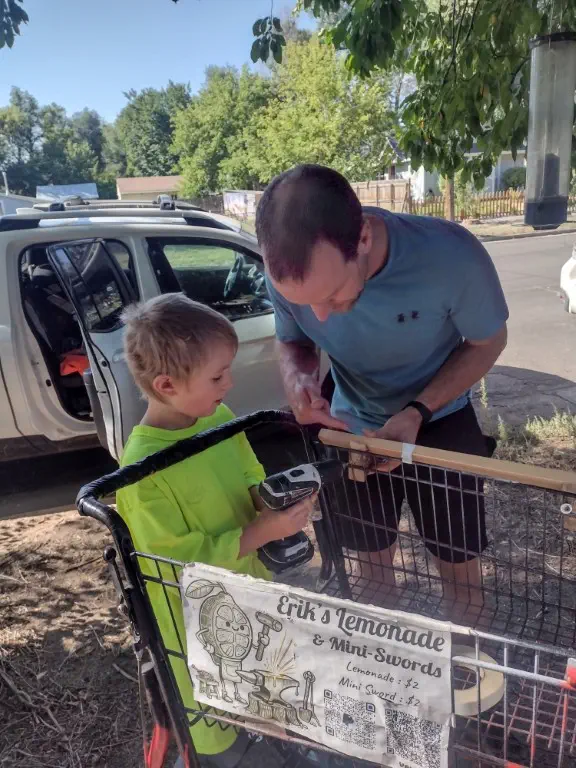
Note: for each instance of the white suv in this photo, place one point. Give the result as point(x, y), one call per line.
point(568, 283)
point(65, 277)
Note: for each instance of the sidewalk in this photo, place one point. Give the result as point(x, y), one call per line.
point(513, 227)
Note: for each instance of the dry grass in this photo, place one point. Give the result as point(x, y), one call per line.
point(543, 442)
point(65, 699)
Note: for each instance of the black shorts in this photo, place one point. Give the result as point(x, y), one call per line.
point(448, 507)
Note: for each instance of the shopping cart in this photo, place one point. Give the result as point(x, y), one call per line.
point(525, 629)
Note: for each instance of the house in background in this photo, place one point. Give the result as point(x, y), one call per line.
point(147, 187)
point(9, 203)
point(424, 183)
point(241, 203)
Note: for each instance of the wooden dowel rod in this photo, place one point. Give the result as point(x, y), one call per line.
point(542, 477)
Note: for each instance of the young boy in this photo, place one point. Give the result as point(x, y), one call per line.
point(205, 508)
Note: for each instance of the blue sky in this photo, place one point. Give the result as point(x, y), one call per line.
point(88, 53)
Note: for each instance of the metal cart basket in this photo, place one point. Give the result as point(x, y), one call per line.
point(524, 623)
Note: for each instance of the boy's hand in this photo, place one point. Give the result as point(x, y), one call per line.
point(279, 525)
point(270, 525)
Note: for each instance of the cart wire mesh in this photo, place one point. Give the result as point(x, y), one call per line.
point(524, 621)
point(522, 605)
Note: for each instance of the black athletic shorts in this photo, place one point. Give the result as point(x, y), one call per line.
point(448, 507)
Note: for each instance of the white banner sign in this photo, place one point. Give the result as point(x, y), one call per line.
point(365, 681)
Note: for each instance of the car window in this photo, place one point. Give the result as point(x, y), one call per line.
point(124, 260)
point(227, 278)
point(195, 255)
point(91, 279)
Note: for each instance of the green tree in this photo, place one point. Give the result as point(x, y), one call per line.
point(20, 141)
point(113, 151)
point(212, 133)
point(41, 145)
point(514, 178)
point(12, 16)
point(320, 114)
point(20, 126)
point(89, 127)
point(469, 58)
point(64, 159)
point(145, 129)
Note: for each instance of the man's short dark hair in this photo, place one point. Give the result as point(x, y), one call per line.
point(301, 206)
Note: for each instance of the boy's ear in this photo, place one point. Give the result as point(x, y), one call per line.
point(164, 386)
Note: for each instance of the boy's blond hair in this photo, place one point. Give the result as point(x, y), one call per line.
point(171, 335)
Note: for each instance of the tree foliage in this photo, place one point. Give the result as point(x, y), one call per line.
point(212, 132)
point(470, 60)
point(514, 178)
point(89, 127)
point(318, 113)
point(12, 16)
point(242, 128)
point(41, 145)
point(145, 129)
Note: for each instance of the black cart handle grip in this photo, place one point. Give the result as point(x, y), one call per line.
point(86, 501)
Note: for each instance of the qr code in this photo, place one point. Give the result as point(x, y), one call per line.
point(350, 720)
point(412, 738)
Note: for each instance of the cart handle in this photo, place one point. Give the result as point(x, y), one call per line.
point(87, 499)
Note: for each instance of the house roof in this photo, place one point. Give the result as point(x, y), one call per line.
point(399, 154)
point(145, 184)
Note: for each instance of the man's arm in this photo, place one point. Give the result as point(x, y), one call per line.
point(465, 367)
point(300, 368)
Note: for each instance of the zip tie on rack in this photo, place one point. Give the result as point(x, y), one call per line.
point(407, 451)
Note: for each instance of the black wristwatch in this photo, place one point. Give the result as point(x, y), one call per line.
point(422, 409)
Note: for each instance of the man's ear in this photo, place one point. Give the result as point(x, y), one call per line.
point(163, 386)
point(365, 242)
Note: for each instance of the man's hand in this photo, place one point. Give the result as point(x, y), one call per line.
point(403, 427)
point(307, 403)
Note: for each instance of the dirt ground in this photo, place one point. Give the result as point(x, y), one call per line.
point(68, 692)
point(68, 697)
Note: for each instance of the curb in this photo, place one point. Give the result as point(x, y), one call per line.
point(523, 236)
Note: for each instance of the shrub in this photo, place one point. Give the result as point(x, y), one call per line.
point(514, 178)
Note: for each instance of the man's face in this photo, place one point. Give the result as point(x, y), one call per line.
point(332, 285)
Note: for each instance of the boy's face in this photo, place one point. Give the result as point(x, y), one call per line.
point(204, 390)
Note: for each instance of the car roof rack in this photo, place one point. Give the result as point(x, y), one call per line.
point(162, 203)
point(31, 219)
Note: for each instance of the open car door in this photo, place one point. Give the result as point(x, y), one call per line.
point(99, 291)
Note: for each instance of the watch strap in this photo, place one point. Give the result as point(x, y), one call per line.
point(422, 409)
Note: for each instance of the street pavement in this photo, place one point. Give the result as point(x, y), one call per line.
point(536, 373)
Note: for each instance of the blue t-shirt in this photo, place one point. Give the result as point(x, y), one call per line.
point(438, 286)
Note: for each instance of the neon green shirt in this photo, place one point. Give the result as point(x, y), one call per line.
point(195, 510)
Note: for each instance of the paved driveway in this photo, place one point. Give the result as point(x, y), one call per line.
point(537, 371)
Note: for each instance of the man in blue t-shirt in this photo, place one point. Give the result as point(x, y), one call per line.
point(411, 313)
